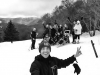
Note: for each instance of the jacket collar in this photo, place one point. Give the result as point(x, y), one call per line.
point(41, 58)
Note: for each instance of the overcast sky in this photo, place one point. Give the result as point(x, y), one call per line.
point(13, 8)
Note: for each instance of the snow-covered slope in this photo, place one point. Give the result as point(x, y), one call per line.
point(15, 58)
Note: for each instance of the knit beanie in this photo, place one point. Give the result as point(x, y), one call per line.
point(78, 21)
point(43, 44)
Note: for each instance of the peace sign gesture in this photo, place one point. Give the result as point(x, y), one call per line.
point(78, 53)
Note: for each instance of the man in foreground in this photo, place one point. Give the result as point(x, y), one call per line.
point(44, 64)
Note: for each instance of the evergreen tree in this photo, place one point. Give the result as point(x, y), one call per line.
point(11, 34)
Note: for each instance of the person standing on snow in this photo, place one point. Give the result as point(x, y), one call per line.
point(78, 30)
point(66, 33)
point(33, 38)
point(65, 27)
point(46, 30)
point(60, 30)
point(73, 33)
point(44, 64)
point(53, 35)
point(51, 38)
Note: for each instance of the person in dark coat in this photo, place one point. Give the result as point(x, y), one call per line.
point(51, 39)
point(45, 40)
point(53, 35)
point(44, 64)
point(66, 33)
point(73, 34)
point(33, 38)
point(66, 36)
point(65, 27)
point(60, 30)
point(46, 30)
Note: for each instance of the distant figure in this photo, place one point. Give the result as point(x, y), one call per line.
point(66, 33)
point(53, 35)
point(44, 64)
point(46, 30)
point(60, 30)
point(65, 27)
point(45, 39)
point(33, 38)
point(66, 36)
point(78, 30)
point(73, 33)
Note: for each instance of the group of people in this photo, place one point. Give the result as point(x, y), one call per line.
point(44, 63)
point(58, 34)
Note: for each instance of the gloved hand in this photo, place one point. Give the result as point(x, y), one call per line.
point(77, 68)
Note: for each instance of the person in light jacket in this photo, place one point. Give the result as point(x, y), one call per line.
point(78, 30)
point(44, 64)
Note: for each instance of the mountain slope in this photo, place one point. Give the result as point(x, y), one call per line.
point(20, 20)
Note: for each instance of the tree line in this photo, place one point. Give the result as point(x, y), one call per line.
point(87, 11)
point(14, 32)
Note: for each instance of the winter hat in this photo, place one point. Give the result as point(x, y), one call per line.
point(43, 44)
point(78, 22)
point(34, 29)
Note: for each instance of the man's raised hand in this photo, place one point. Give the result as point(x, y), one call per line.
point(78, 53)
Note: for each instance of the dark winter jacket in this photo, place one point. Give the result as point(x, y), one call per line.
point(49, 66)
point(46, 31)
point(33, 34)
point(60, 29)
point(53, 32)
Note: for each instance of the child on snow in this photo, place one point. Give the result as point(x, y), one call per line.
point(66, 36)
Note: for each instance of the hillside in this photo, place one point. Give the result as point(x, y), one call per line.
point(21, 20)
point(24, 30)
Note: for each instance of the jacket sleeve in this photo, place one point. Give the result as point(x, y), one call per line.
point(34, 70)
point(63, 63)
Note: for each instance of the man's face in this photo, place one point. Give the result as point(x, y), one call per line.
point(45, 52)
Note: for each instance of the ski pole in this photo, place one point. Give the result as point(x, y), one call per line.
point(94, 49)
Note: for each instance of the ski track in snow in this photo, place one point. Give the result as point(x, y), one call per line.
point(16, 58)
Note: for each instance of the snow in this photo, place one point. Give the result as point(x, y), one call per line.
point(16, 58)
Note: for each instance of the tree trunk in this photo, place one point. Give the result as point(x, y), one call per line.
point(91, 31)
point(95, 24)
point(87, 28)
point(90, 23)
